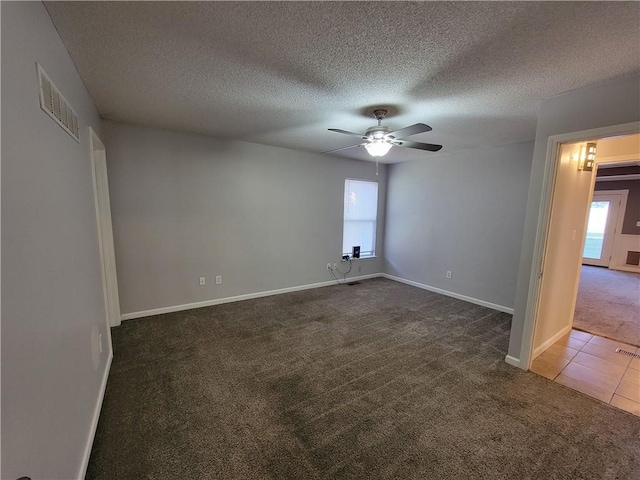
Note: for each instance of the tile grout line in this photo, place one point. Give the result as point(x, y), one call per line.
point(620, 382)
point(616, 387)
point(572, 361)
point(601, 360)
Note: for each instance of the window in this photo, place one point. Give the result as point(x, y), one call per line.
point(360, 215)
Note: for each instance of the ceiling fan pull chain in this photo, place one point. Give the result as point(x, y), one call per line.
point(376, 167)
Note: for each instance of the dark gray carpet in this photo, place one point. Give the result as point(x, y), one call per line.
point(373, 381)
point(608, 304)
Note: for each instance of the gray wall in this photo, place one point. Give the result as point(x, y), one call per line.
point(185, 205)
point(632, 211)
point(51, 278)
point(612, 103)
point(462, 212)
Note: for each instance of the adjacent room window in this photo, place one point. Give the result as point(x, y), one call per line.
point(360, 215)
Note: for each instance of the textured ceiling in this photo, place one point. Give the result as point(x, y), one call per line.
point(282, 73)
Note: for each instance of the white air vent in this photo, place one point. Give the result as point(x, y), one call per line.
point(53, 103)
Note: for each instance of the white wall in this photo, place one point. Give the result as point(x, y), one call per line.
point(186, 205)
point(612, 103)
point(567, 228)
point(461, 212)
point(52, 300)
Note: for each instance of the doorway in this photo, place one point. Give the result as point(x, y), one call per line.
point(601, 228)
point(583, 252)
point(608, 298)
point(584, 226)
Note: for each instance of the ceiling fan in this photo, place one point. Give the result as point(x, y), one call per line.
point(378, 139)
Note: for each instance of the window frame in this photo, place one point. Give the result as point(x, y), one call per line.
point(363, 254)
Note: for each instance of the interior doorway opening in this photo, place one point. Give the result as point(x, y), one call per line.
point(585, 222)
point(589, 286)
point(608, 299)
point(588, 280)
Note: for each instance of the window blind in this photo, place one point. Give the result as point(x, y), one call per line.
point(360, 216)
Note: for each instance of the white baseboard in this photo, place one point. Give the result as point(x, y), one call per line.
point(94, 421)
point(513, 361)
point(625, 268)
point(541, 348)
point(268, 293)
point(459, 296)
point(238, 298)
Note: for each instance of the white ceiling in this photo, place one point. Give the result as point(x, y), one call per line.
point(282, 73)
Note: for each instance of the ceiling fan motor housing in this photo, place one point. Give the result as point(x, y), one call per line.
point(377, 132)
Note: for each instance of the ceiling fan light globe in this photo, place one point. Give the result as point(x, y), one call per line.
point(378, 148)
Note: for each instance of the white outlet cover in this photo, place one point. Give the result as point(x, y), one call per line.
point(218, 279)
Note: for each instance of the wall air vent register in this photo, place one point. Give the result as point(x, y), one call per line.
point(56, 106)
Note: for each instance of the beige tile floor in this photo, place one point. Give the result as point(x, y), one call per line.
point(589, 363)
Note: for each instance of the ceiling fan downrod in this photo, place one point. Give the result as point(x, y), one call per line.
point(380, 115)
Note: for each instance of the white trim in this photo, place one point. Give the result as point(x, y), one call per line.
point(626, 268)
point(105, 229)
point(237, 298)
point(268, 293)
point(627, 157)
point(609, 244)
point(553, 145)
point(512, 361)
point(218, 301)
point(618, 178)
point(94, 421)
point(459, 296)
point(541, 348)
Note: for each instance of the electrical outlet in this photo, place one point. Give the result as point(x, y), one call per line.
point(218, 279)
point(448, 274)
point(328, 266)
point(335, 266)
point(100, 342)
point(203, 281)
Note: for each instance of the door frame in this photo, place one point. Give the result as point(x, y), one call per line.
point(105, 231)
point(544, 216)
point(617, 223)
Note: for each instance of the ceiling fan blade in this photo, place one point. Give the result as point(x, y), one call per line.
point(343, 148)
point(411, 130)
point(420, 146)
point(359, 135)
